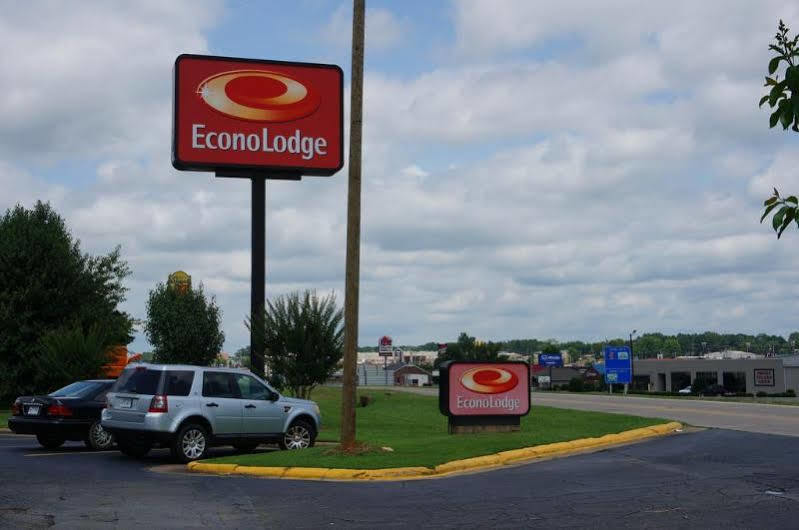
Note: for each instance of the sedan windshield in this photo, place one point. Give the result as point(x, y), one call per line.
point(79, 389)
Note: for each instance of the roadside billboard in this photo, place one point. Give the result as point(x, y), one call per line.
point(550, 359)
point(618, 364)
point(257, 115)
point(384, 348)
point(484, 389)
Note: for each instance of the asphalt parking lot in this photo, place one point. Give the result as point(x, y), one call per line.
point(711, 478)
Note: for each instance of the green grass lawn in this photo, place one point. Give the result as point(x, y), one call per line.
point(4, 415)
point(417, 432)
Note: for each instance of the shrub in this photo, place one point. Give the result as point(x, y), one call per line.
point(303, 338)
point(69, 355)
point(790, 393)
point(575, 385)
point(761, 394)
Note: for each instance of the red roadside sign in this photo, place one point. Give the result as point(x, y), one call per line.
point(257, 115)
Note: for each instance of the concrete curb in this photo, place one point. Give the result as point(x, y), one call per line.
point(477, 463)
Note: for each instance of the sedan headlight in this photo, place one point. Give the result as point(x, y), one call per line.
point(316, 409)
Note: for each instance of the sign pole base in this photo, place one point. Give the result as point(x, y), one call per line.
point(476, 424)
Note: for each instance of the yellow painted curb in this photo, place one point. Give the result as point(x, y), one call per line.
point(220, 469)
point(261, 471)
point(477, 463)
point(305, 472)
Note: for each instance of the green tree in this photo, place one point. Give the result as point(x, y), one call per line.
point(48, 284)
point(303, 340)
point(551, 349)
point(183, 327)
point(671, 347)
point(242, 357)
point(783, 97)
point(468, 348)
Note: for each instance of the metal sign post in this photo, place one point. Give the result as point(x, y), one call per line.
point(258, 263)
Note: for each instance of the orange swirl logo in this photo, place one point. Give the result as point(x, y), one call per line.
point(489, 380)
point(258, 95)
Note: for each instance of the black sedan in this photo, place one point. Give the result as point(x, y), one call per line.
point(71, 413)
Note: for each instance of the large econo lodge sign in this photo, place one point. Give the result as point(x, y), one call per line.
point(247, 114)
point(484, 389)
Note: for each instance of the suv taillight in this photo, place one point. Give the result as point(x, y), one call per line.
point(58, 409)
point(16, 408)
point(159, 404)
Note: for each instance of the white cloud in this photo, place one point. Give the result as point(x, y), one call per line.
point(93, 79)
point(383, 29)
point(568, 171)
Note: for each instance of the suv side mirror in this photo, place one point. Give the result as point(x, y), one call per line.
point(273, 396)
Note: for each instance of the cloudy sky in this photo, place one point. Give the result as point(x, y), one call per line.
point(570, 169)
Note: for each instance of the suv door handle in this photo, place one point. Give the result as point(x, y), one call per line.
point(249, 406)
point(211, 404)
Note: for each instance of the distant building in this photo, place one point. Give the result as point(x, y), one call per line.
point(770, 375)
point(559, 375)
point(732, 354)
point(412, 375)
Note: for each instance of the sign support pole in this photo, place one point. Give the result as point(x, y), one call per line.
point(258, 265)
point(353, 264)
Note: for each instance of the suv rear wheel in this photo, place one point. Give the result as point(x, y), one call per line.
point(191, 443)
point(299, 435)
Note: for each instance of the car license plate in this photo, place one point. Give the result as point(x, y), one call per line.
point(33, 411)
point(125, 403)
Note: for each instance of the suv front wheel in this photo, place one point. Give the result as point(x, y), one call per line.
point(299, 435)
point(190, 444)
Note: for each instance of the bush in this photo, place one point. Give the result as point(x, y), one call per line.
point(575, 385)
point(790, 393)
point(69, 355)
point(761, 394)
point(303, 338)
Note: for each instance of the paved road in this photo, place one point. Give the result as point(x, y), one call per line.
point(707, 479)
point(751, 417)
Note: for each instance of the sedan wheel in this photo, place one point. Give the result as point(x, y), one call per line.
point(300, 435)
point(99, 439)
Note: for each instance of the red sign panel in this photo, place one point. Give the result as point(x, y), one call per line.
point(488, 389)
point(247, 114)
point(384, 346)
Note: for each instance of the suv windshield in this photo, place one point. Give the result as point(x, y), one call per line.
point(79, 389)
point(139, 380)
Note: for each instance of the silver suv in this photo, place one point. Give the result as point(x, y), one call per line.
point(189, 408)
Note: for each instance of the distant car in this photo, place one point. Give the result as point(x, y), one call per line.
point(686, 390)
point(69, 413)
point(189, 408)
point(714, 390)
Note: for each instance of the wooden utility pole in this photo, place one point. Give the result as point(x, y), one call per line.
point(353, 232)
